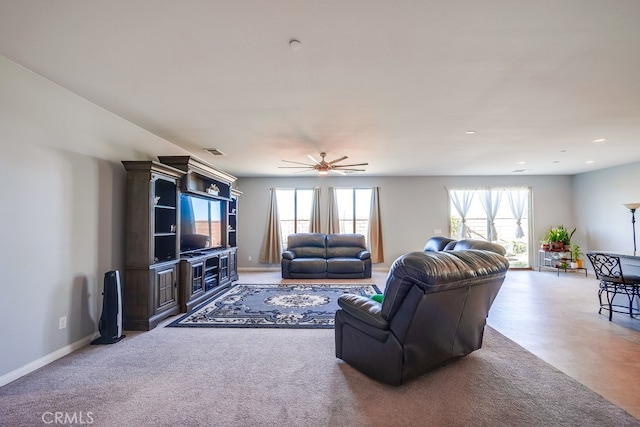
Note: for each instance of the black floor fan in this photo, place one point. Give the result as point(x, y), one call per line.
point(110, 325)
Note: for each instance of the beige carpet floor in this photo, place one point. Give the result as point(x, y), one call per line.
point(272, 377)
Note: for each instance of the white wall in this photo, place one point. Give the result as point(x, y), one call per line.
point(603, 222)
point(412, 207)
point(61, 212)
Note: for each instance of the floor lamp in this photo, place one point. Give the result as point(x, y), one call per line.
point(632, 207)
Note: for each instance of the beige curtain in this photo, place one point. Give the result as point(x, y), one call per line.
point(333, 219)
point(375, 228)
point(271, 251)
point(314, 224)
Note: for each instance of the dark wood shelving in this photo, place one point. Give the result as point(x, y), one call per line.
point(160, 281)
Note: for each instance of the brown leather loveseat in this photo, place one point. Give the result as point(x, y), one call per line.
point(326, 256)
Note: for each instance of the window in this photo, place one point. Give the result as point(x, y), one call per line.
point(294, 210)
point(354, 208)
point(472, 210)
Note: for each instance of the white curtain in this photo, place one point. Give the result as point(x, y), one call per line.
point(490, 200)
point(518, 201)
point(461, 200)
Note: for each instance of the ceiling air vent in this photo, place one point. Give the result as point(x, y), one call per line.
point(214, 151)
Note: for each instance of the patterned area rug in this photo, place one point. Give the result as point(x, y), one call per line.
point(273, 306)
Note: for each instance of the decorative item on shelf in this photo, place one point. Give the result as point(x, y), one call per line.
point(559, 237)
point(632, 207)
point(213, 189)
point(576, 254)
point(173, 228)
point(156, 200)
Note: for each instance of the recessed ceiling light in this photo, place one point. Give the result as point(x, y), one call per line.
point(563, 151)
point(556, 161)
point(522, 163)
point(599, 140)
point(470, 132)
point(590, 161)
point(295, 44)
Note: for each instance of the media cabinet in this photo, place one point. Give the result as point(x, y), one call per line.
point(163, 277)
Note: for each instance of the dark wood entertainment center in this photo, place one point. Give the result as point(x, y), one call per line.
point(162, 276)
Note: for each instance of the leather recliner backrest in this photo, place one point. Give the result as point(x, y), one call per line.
point(438, 271)
point(307, 245)
point(437, 243)
point(479, 244)
point(345, 245)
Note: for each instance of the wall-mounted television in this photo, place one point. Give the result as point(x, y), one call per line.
point(200, 223)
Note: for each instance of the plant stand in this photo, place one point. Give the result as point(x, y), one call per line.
point(558, 260)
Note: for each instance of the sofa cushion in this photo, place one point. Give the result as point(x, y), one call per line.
point(308, 265)
point(437, 243)
point(451, 245)
point(477, 244)
point(307, 245)
point(345, 245)
point(308, 252)
point(440, 243)
point(344, 265)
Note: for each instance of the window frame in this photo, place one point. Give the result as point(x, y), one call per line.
point(531, 250)
point(354, 218)
point(283, 236)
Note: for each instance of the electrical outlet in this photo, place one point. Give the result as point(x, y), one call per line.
point(62, 322)
point(250, 258)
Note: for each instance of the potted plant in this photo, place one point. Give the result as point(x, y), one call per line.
point(544, 242)
point(559, 237)
point(576, 254)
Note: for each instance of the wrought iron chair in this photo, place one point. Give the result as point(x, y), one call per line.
point(608, 271)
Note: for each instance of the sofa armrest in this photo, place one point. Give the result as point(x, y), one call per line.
point(288, 255)
point(364, 255)
point(364, 309)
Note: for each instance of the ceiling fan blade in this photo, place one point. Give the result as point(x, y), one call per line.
point(348, 170)
point(338, 160)
point(296, 167)
point(354, 164)
point(298, 163)
point(313, 159)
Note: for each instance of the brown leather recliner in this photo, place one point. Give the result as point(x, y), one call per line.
point(439, 243)
point(434, 310)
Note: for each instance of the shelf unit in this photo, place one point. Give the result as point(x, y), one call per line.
point(556, 260)
point(204, 273)
point(232, 219)
point(150, 287)
point(160, 280)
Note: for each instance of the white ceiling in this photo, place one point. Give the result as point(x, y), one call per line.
point(393, 83)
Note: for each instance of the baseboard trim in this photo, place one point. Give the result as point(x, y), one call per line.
point(45, 360)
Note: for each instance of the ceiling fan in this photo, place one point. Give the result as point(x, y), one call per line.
point(323, 167)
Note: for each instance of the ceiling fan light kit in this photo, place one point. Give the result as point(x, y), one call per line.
point(323, 167)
